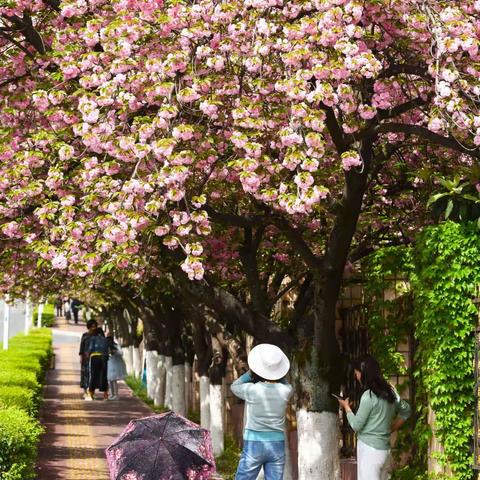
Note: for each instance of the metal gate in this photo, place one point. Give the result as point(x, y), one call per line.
point(354, 343)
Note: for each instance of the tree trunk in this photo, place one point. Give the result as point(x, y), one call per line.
point(128, 357)
point(217, 416)
point(318, 372)
point(203, 352)
point(137, 362)
point(205, 402)
point(217, 396)
point(188, 387)
point(153, 374)
point(151, 342)
point(178, 389)
point(168, 401)
point(318, 444)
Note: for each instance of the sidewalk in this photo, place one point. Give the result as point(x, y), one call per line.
point(77, 432)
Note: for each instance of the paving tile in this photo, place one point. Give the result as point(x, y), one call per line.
point(77, 432)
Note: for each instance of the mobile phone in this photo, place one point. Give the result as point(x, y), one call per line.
point(338, 397)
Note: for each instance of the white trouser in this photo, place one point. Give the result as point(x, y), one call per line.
point(372, 464)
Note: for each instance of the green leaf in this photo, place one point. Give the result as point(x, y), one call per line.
point(449, 209)
point(436, 197)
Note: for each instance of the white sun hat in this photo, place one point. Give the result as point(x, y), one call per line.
point(268, 361)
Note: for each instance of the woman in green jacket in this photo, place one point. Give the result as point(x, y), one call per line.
point(381, 411)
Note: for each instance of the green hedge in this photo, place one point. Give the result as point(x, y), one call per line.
point(48, 315)
point(19, 436)
point(23, 368)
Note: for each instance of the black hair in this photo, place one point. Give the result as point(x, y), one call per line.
point(99, 331)
point(372, 378)
point(257, 378)
point(91, 323)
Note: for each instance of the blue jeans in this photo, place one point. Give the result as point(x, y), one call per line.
point(255, 455)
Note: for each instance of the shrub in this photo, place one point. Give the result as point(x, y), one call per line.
point(140, 391)
point(15, 396)
point(23, 368)
point(227, 462)
point(19, 436)
point(19, 378)
point(48, 315)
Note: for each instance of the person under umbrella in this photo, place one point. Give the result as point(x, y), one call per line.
point(266, 396)
point(161, 447)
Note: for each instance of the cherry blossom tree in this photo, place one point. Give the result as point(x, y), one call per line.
point(136, 133)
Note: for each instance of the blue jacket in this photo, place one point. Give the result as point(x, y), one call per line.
point(97, 344)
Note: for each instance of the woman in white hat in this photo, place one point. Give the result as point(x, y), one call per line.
point(266, 395)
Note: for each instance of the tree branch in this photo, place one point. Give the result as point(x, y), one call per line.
point(248, 256)
point(335, 130)
point(25, 26)
point(15, 42)
point(287, 288)
point(234, 220)
point(402, 108)
point(55, 4)
point(399, 68)
point(423, 132)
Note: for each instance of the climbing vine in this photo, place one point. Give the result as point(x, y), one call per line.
point(388, 299)
point(430, 290)
point(446, 277)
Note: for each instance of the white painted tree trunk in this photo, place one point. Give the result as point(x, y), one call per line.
point(188, 387)
point(205, 402)
point(28, 315)
point(153, 374)
point(168, 382)
point(217, 411)
point(128, 358)
point(178, 390)
point(40, 313)
point(160, 398)
point(6, 324)
point(318, 457)
point(137, 362)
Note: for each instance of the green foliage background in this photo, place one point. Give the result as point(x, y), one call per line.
point(442, 273)
point(445, 284)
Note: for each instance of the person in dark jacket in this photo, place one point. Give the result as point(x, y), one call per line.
point(92, 326)
point(98, 350)
point(75, 308)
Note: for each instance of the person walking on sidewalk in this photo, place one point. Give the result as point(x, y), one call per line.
point(59, 307)
point(266, 396)
point(381, 412)
point(97, 349)
point(84, 357)
point(75, 305)
point(116, 368)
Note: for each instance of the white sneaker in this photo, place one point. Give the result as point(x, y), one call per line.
point(88, 398)
point(113, 397)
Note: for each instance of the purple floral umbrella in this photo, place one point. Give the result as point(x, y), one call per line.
point(161, 447)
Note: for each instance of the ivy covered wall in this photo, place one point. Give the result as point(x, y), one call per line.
point(442, 273)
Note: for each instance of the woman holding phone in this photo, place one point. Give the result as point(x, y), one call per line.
point(381, 411)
